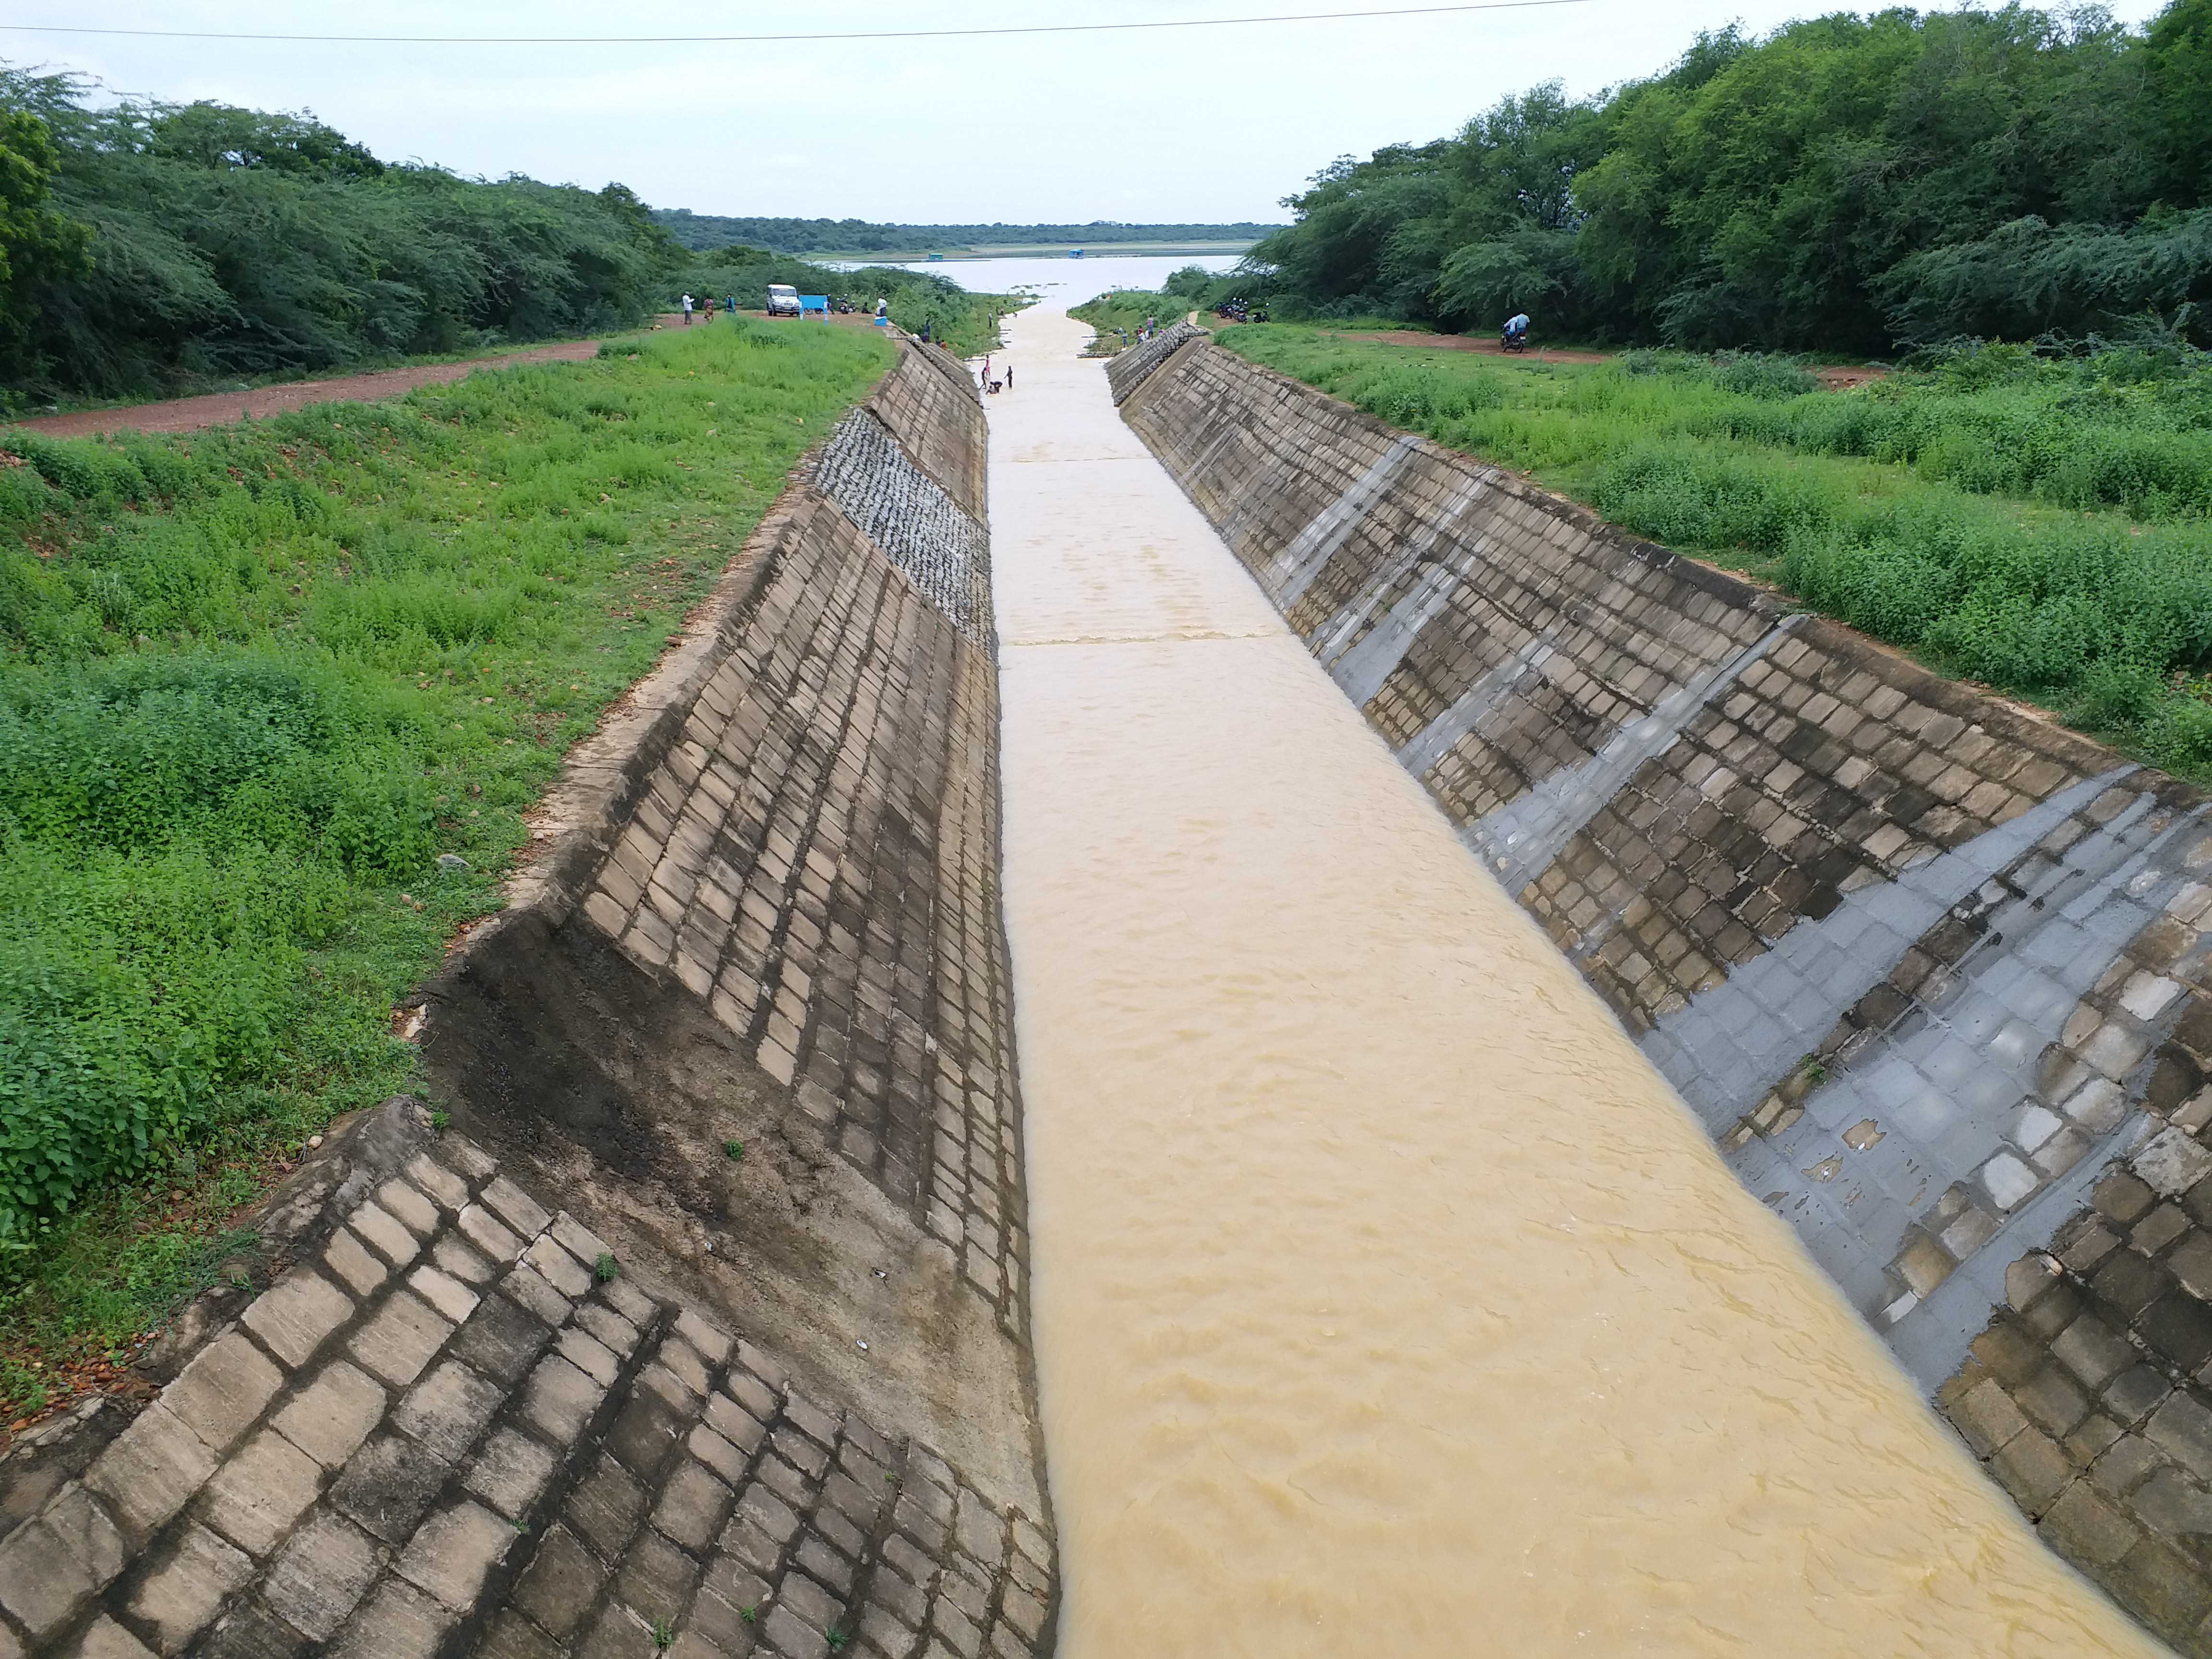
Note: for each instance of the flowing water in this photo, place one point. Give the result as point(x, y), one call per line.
point(1386, 1302)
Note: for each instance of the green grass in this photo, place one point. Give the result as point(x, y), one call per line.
point(253, 684)
point(2040, 527)
point(1127, 308)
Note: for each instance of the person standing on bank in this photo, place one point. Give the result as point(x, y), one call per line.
point(687, 310)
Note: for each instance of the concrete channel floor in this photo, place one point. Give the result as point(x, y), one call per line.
point(1385, 1300)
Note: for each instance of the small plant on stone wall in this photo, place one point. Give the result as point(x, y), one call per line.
point(438, 1121)
point(749, 1614)
point(663, 1632)
point(606, 1268)
point(836, 1637)
point(736, 1149)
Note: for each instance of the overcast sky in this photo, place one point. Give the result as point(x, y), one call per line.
point(1175, 125)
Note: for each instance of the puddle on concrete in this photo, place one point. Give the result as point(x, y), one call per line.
point(1386, 1302)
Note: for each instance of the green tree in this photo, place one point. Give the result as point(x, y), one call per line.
point(38, 245)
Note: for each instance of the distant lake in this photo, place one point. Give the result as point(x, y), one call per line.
point(1064, 281)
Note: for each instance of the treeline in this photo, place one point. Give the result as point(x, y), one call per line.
point(149, 247)
point(703, 231)
point(1846, 184)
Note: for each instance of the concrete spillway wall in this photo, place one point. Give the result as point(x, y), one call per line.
point(1928, 969)
point(705, 1321)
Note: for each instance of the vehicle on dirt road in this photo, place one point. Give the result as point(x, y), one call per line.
point(782, 300)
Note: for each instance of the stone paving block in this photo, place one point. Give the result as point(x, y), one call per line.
point(223, 1390)
point(511, 1472)
point(2033, 1468)
point(399, 1621)
point(717, 1454)
point(2181, 1428)
point(826, 1565)
point(449, 1409)
point(385, 1233)
point(333, 1414)
point(713, 1343)
point(680, 1357)
point(626, 1299)
point(460, 1261)
point(512, 1636)
point(655, 1578)
point(570, 1276)
point(410, 1205)
point(448, 1295)
point(441, 1184)
point(588, 1355)
point(181, 1596)
point(388, 1486)
point(500, 1339)
point(693, 1505)
point(758, 1400)
point(266, 1485)
point(609, 1327)
point(606, 1507)
point(559, 1400)
point(579, 1241)
point(151, 1469)
point(454, 1552)
point(768, 1514)
point(354, 1264)
point(718, 1611)
point(294, 1316)
point(465, 1157)
point(490, 1234)
point(792, 1639)
point(617, 1633)
point(106, 1639)
point(320, 1578)
point(399, 1341)
point(250, 1631)
point(2173, 1504)
point(560, 1584)
point(51, 1566)
point(515, 1207)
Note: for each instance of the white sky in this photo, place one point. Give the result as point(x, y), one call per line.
point(1182, 125)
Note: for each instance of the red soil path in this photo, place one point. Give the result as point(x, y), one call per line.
point(190, 414)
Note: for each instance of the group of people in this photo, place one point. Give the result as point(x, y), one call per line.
point(1003, 383)
point(706, 307)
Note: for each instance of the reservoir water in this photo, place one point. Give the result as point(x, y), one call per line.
point(1387, 1302)
point(1063, 282)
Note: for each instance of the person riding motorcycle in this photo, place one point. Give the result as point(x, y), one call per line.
point(1515, 337)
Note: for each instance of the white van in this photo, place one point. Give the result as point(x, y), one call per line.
point(782, 300)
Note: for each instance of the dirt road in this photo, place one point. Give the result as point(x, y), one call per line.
point(190, 414)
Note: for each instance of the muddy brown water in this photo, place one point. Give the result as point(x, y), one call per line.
point(1386, 1301)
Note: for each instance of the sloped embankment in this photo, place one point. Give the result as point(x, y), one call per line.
point(711, 1330)
point(1928, 970)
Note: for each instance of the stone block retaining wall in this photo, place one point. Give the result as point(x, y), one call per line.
point(457, 1427)
point(711, 1337)
point(1929, 970)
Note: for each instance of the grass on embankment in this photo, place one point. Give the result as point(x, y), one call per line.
point(1127, 308)
point(2039, 526)
point(253, 683)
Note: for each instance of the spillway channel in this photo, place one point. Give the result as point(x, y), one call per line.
point(1385, 1300)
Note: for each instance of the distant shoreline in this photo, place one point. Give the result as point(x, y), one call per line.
point(1033, 251)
